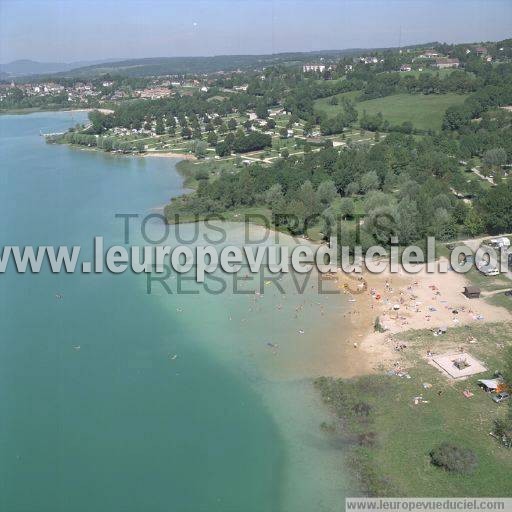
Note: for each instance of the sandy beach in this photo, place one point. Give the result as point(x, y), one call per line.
point(408, 302)
point(170, 154)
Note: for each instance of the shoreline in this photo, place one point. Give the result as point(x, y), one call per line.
point(36, 110)
point(168, 154)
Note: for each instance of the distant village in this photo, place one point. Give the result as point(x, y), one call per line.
point(94, 92)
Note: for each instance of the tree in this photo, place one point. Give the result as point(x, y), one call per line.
point(456, 117)
point(100, 122)
point(261, 110)
point(298, 213)
point(212, 138)
point(443, 225)
point(326, 192)
point(232, 124)
point(460, 212)
point(285, 153)
point(454, 458)
point(340, 209)
point(473, 223)
point(186, 132)
point(345, 206)
point(308, 128)
point(200, 149)
point(159, 128)
point(495, 157)
point(107, 144)
point(380, 223)
point(352, 188)
point(407, 221)
point(497, 209)
point(274, 198)
point(223, 149)
point(369, 181)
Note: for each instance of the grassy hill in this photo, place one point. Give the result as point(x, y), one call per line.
point(423, 111)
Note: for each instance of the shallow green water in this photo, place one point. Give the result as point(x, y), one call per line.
point(117, 425)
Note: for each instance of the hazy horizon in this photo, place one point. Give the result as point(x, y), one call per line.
point(84, 30)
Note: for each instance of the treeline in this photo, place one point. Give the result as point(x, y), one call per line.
point(105, 143)
point(460, 117)
point(385, 84)
point(336, 124)
point(496, 91)
point(242, 143)
point(18, 99)
point(300, 100)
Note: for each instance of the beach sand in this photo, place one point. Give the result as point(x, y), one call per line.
point(408, 302)
point(169, 154)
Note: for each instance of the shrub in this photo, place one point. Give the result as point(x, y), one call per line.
point(456, 459)
point(367, 439)
point(377, 326)
point(503, 430)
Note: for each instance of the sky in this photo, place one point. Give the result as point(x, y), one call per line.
point(77, 30)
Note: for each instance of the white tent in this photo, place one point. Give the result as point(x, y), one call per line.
point(490, 384)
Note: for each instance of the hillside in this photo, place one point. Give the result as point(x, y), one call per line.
point(181, 65)
point(25, 67)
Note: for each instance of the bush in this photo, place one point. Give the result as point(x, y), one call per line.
point(377, 326)
point(367, 439)
point(503, 430)
point(453, 458)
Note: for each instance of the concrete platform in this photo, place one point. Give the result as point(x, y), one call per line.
point(446, 363)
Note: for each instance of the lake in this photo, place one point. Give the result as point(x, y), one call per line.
point(113, 399)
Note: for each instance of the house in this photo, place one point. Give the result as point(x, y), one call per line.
point(154, 93)
point(429, 54)
point(317, 68)
point(481, 50)
point(447, 63)
point(472, 292)
point(370, 60)
point(405, 67)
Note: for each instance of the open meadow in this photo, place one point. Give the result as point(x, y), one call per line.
point(425, 112)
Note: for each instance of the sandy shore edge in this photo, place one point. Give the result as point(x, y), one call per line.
point(405, 302)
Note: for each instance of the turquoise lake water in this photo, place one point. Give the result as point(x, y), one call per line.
point(118, 424)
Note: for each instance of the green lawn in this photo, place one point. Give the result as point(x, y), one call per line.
point(424, 111)
point(398, 462)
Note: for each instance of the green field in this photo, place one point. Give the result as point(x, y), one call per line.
point(425, 112)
